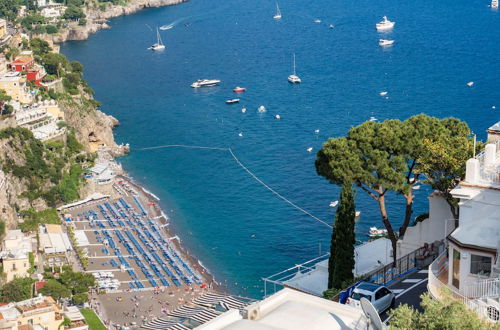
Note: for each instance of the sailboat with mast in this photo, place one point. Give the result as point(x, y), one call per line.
point(293, 78)
point(159, 44)
point(278, 12)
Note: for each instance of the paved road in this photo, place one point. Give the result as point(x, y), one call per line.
point(409, 290)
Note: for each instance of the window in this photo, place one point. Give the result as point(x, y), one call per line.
point(358, 296)
point(480, 265)
point(381, 293)
point(455, 280)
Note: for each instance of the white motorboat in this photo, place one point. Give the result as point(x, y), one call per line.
point(494, 4)
point(278, 12)
point(385, 24)
point(384, 93)
point(205, 83)
point(293, 78)
point(243, 109)
point(232, 101)
point(384, 42)
point(277, 117)
point(416, 187)
point(317, 21)
point(316, 131)
point(470, 83)
point(373, 119)
point(309, 149)
point(334, 203)
point(262, 109)
point(375, 232)
point(331, 26)
point(159, 44)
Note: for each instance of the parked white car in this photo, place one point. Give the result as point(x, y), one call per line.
point(381, 297)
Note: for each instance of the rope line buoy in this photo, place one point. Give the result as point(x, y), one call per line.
point(246, 170)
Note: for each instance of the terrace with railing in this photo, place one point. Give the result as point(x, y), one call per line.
point(489, 164)
point(470, 294)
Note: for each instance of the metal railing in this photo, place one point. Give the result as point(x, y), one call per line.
point(482, 288)
point(490, 174)
point(279, 280)
point(439, 289)
point(390, 272)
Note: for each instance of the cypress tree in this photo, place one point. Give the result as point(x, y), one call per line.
point(341, 261)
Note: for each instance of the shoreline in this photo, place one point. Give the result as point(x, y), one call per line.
point(98, 20)
point(175, 238)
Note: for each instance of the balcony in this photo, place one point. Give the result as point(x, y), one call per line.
point(471, 294)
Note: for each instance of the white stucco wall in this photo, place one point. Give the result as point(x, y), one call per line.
point(439, 224)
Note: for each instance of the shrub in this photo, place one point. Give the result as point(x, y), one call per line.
point(51, 29)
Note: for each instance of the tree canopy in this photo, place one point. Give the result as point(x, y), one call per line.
point(394, 155)
point(55, 289)
point(8, 9)
point(438, 314)
point(54, 63)
point(39, 46)
point(16, 290)
point(73, 13)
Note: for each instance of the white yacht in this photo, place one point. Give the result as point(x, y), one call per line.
point(494, 4)
point(278, 12)
point(293, 78)
point(317, 20)
point(384, 42)
point(159, 44)
point(205, 83)
point(385, 24)
point(375, 232)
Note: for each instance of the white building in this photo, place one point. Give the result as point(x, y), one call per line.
point(41, 120)
point(471, 266)
point(53, 239)
point(290, 310)
point(312, 276)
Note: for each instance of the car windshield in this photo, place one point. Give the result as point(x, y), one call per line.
point(358, 296)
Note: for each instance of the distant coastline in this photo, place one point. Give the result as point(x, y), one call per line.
point(98, 19)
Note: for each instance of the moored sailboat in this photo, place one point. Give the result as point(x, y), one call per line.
point(278, 12)
point(159, 43)
point(293, 78)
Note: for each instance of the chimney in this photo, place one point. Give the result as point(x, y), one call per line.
point(472, 174)
point(490, 153)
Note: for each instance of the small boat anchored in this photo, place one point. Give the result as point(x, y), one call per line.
point(239, 89)
point(262, 109)
point(385, 24)
point(494, 4)
point(205, 83)
point(293, 78)
point(232, 101)
point(375, 232)
point(384, 42)
point(159, 44)
point(317, 21)
point(278, 12)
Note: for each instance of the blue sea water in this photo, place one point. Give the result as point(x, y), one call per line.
point(236, 227)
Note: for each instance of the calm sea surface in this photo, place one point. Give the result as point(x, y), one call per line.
point(239, 229)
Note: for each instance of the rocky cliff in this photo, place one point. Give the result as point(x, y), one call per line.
point(97, 19)
point(93, 128)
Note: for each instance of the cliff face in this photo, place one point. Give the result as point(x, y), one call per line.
point(96, 19)
point(93, 128)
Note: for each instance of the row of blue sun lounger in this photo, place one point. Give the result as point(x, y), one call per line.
point(116, 212)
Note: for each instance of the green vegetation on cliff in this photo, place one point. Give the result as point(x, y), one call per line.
point(51, 171)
